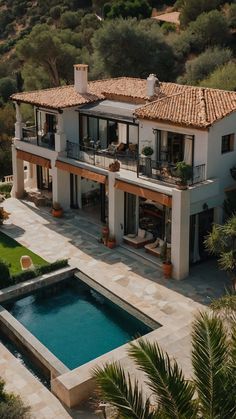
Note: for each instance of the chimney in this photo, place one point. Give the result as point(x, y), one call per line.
point(81, 78)
point(152, 85)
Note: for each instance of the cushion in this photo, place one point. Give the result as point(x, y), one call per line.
point(141, 233)
point(161, 242)
point(121, 147)
point(131, 235)
point(133, 147)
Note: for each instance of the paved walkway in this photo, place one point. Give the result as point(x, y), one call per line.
point(19, 380)
point(140, 282)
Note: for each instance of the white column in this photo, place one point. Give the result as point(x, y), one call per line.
point(18, 124)
point(79, 191)
point(60, 138)
point(61, 187)
point(115, 208)
point(180, 233)
point(18, 175)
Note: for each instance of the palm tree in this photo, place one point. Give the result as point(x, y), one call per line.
point(222, 243)
point(210, 394)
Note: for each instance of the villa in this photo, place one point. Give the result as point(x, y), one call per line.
point(82, 129)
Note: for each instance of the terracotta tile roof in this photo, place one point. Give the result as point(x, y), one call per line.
point(174, 103)
point(125, 88)
point(189, 106)
point(56, 98)
point(172, 17)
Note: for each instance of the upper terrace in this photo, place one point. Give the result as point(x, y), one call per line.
point(74, 121)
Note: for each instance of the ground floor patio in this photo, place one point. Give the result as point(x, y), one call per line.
point(138, 280)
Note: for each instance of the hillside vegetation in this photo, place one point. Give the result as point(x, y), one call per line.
point(40, 40)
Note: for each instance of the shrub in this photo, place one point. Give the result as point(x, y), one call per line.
point(5, 277)
point(40, 270)
point(223, 77)
point(200, 67)
point(70, 20)
point(168, 27)
point(147, 151)
point(209, 29)
point(231, 16)
point(5, 187)
point(11, 406)
point(55, 12)
point(191, 9)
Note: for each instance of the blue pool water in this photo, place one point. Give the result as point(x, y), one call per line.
point(75, 323)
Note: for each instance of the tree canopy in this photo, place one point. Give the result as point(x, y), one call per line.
point(132, 48)
point(210, 393)
point(223, 77)
point(127, 8)
point(48, 49)
point(204, 64)
point(191, 9)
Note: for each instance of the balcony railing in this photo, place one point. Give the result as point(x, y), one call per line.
point(166, 172)
point(102, 158)
point(29, 135)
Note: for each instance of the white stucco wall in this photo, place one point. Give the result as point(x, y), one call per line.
point(71, 124)
point(148, 138)
point(219, 164)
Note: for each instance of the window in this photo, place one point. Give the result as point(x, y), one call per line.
point(227, 143)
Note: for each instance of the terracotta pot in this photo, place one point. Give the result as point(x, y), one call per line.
point(111, 243)
point(167, 269)
point(58, 213)
point(105, 231)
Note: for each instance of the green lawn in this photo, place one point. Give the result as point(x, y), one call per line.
point(11, 252)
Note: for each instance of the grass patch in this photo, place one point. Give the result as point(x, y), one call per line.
point(11, 252)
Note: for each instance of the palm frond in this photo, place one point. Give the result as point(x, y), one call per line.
point(230, 382)
point(173, 393)
point(227, 260)
point(214, 242)
point(225, 307)
point(118, 389)
point(209, 357)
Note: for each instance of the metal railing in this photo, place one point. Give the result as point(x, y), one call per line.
point(166, 172)
point(102, 158)
point(29, 135)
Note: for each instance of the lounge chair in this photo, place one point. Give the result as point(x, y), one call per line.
point(139, 240)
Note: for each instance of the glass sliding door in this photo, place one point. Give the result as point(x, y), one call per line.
point(103, 133)
point(74, 191)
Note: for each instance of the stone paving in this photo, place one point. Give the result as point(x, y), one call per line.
point(139, 281)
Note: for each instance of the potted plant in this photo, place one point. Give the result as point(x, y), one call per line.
point(105, 234)
point(147, 151)
point(4, 215)
point(184, 173)
point(166, 263)
point(57, 210)
point(114, 167)
point(111, 243)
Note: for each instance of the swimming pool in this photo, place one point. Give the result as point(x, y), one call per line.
point(75, 322)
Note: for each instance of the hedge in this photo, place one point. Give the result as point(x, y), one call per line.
point(32, 273)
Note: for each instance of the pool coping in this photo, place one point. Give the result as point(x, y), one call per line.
point(46, 359)
point(82, 384)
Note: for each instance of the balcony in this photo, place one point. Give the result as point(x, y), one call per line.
point(30, 135)
point(166, 172)
point(102, 158)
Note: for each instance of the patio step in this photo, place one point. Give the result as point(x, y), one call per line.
point(137, 254)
